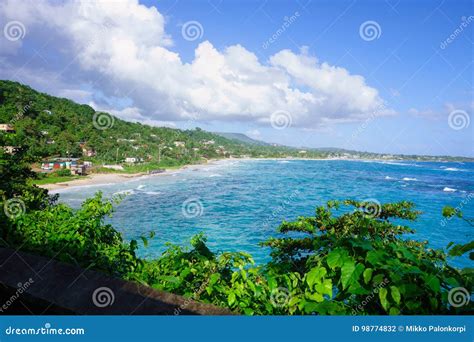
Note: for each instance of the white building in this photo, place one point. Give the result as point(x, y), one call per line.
point(131, 160)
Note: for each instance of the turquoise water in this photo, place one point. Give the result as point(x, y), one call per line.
point(240, 203)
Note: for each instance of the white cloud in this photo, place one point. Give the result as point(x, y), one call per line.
point(126, 46)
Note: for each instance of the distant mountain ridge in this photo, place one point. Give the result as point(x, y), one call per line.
point(242, 138)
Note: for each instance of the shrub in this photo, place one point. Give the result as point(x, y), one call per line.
point(62, 172)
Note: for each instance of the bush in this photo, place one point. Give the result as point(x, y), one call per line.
point(62, 172)
point(77, 237)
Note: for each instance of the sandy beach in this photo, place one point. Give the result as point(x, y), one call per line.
point(113, 178)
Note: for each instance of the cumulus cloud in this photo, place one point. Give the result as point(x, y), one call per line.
point(124, 44)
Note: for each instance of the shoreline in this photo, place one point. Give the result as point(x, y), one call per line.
point(115, 177)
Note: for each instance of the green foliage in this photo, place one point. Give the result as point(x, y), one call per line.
point(78, 237)
point(62, 172)
point(364, 255)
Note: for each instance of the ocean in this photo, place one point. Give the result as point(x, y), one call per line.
point(240, 203)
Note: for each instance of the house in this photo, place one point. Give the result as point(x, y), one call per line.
point(78, 170)
point(10, 149)
point(87, 164)
point(302, 152)
point(88, 152)
point(60, 163)
point(208, 142)
point(131, 160)
point(179, 144)
point(7, 128)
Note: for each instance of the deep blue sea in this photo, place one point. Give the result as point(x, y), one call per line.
point(239, 203)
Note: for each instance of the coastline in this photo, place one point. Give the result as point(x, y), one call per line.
point(114, 178)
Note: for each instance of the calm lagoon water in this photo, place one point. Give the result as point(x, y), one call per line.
point(239, 203)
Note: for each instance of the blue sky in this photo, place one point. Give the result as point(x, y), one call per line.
point(424, 81)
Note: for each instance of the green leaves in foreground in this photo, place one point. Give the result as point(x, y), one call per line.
point(351, 263)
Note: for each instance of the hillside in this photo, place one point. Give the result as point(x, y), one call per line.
point(242, 138)
point(51, 126)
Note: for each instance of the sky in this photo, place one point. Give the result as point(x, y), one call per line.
point(393, 76)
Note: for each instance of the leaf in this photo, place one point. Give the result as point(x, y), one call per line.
point(248, 311)
point(433, 283)
point(394, 311)
point(350, 272)
point(336, 258)
point(315, 296)
point(272, 283)
point(383, 298)
point(315, 275)
point(367, 275)
point(395, 294)
point(231, 298)
point(214, 278)
point(374, 257)
point(459, 249)
point(357, 289)
point(325, 287)
point(169, 279)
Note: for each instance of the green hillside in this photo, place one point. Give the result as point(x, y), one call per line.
point(242, 138)
point(51, 126)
